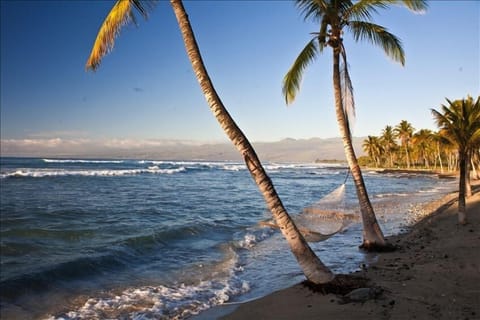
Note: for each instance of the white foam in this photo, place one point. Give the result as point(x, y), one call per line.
point(234, 167)
point(392, 195)
point(158, 302)
point(40, 173)
point(237, 166)
point(251, 238)
point(176, 301)
point(80, 161)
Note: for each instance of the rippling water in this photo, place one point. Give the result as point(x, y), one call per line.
point(140, 239)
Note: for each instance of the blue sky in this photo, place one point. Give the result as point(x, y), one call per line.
point(145, 89)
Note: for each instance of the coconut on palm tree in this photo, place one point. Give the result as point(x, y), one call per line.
point(314, 270)
point(335, 17)
point(459, 122)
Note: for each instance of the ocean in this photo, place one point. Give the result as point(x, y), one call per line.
point(145, 239)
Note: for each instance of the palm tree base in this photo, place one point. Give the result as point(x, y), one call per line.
point(341, 284)
point(376, 247)
point(462, 218)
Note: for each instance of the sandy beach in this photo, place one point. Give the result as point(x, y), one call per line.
point(434, 275)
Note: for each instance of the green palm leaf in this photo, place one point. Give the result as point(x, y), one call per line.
point(120, 15)
point(419, 6)
point(363, 9)
point(460, 122)
point(293, 78)
point(312, 9)
point(347, 92)
point(379, 36)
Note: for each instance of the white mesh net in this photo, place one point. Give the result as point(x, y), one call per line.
point(324, 218)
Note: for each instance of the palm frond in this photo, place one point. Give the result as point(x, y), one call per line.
point(379, 36)
point(291, 81)
point(418, 6)
point(312, 9)
point(363, 9)
point(445, 126)
point(120, 15)
point(460, 122)
point(347, 92)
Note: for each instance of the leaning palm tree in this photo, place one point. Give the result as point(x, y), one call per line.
point(314, 270)
point(404, 132)
point(334, 18)
point(460, 124)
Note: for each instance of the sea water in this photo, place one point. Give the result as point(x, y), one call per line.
point(144, 239)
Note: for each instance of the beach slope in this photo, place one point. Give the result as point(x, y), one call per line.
point(434, 275)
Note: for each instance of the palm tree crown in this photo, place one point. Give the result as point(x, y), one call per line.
point(335, 16)
point(460, 122)
point(404, 132)
point(388, 141)
point(373, 147)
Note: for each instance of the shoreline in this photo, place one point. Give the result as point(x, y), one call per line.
point(434, 275)
point(435, 172)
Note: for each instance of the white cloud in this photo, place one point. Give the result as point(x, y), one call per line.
point(83, 146)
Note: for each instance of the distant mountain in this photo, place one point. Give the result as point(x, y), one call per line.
point(287, 150)
point(306, 150)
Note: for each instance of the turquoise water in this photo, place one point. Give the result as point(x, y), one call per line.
point(141, 239)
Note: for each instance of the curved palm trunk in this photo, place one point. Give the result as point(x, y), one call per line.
point(462, 214)
point(372, 234)
point(313, 268)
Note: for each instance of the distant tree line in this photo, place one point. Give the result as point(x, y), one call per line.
point(402, 146)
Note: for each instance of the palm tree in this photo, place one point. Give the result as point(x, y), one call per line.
point(335, 17)
point(440, 147)
point(314, 270)
point(388, 142)
point(373, 148)
point(404, 132)
point(460, 124)
point(422, 141)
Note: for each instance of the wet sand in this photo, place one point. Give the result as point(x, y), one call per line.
point(434, 275)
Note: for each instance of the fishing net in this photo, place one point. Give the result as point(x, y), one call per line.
point(324, 218)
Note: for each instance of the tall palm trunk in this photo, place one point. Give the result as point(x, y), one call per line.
point(475, 172)
point(313, 268)
point(439, 157)
point(372, 234)
point(468, 186)
point(462, 215)
point(407, 155)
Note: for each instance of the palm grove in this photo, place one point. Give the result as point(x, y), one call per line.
point(334, 16)
point(454, 147)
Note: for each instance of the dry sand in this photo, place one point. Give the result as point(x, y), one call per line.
point(434, 275)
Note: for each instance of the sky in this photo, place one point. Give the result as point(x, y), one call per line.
point(145, 90)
